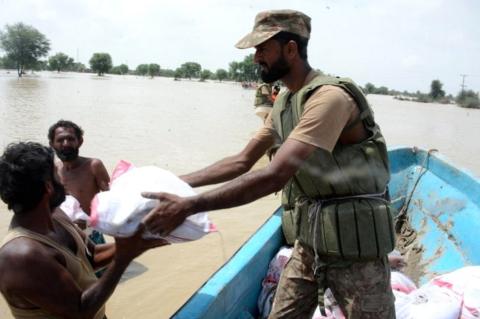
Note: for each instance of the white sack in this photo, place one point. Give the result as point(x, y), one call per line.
point(71, 208)
point(119, 211)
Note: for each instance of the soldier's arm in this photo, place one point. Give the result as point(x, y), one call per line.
point(229, 167)
point(171, 210)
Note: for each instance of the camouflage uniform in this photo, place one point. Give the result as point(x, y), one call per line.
point(269, 23)
point(361, 288)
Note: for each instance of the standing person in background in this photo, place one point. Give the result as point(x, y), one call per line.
point(82, 177)
point(263, 100)
point(46, 269)
point(333, 167)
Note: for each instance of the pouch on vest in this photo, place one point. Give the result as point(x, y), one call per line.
point(290, 222)
point(359, 229)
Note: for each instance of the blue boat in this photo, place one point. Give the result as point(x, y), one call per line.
point(438, 203)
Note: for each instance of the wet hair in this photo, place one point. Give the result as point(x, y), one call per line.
point(302, 43)
point(24, 170)
point(67, 124)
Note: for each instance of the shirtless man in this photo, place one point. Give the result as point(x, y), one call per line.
point(46, 270)
point(82, 177)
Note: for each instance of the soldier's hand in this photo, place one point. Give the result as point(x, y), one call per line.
point(169, 213)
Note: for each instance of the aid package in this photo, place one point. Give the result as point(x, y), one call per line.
point(119, 211)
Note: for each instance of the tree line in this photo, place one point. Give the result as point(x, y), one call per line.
point(465, 98)
point(25, 47)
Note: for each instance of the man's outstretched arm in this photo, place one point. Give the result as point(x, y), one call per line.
point(172, 210)
point(49, 286)
point(229, 167)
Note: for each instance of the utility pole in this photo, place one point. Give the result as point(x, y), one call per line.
point(463, 86)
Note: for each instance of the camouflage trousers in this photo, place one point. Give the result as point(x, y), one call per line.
point(362, 289)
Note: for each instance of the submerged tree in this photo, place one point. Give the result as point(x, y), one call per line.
point(221, 74)
point(24, 45)
point(120, 69)
point(205, 74)
point(153, 69)
point(191, 69)
point(142, 69)
point(101, 63)
point(7, 63)
point(245, 70)
point(60, 61)
point(436, 91)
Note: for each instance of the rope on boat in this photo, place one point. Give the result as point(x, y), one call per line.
point(401, 219)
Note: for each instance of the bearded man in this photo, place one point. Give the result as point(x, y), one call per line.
point(82, 177)
point(46, 266)
point(333, 168)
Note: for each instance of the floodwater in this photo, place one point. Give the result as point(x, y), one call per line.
point(183, 126)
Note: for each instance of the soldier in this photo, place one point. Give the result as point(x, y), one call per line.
point(332, 165)
point(263, 100)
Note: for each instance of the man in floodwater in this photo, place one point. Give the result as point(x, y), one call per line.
point(332, 165)
point(82, 177)
point(46, 270)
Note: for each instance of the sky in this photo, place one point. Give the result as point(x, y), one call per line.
point(400, 44)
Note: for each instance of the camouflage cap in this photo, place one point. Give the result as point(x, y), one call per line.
point(269, 23)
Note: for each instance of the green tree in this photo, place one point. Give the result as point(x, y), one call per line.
point(178, 73)
point(205, 74)
point(153, 69)
point(59, 62)
point(191, 69)
point(221, 74)
point(436, 91)
point(40, 65)
point(382, 90)
point(101, 63)
point(370, 88)
point(120, 69)
point(249, 69)
point(245, 70)
point(234, 70)
point(24, 45)
point(142, 69)
point(7, 63)
point(77, 67)
point(167, 73)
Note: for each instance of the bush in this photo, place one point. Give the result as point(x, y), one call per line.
point(468, 99)
point(471, 103)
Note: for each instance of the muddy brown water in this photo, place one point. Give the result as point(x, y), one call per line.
point(183, 126)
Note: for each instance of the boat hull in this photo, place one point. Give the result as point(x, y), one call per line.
point(443, 210)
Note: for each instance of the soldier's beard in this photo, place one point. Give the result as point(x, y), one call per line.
point(276, 71)
point(67, 155)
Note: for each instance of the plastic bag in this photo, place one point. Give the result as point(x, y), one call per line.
point(119, 211)
point(449, 296)
point(71, 208)
point(270, 282)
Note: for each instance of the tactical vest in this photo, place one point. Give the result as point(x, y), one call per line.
point(261, 99)
point(336, 202)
